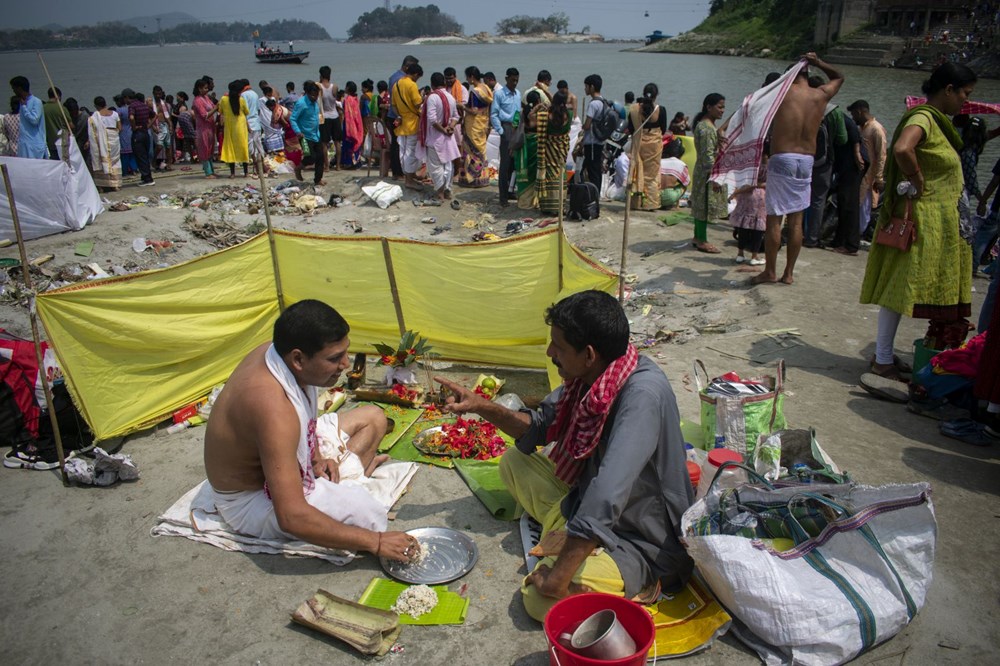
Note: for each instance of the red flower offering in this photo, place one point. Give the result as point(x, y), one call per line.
point(467, 439)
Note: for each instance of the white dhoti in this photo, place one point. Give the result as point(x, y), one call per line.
point(251, 512)
point(441, 172)
point(408, 153)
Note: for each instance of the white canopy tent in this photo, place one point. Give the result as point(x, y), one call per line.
point(51, 196)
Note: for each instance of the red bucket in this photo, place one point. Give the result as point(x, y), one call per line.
point(567, 614)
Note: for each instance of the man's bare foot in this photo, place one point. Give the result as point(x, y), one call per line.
point(787, 279)
point(762, 278)
point(211, 176)
point(322, 182)
point(447, 194)
point(376, 461)
point(232, 175)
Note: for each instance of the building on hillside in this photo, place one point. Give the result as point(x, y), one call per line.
point(916, 17)
point(837, 18)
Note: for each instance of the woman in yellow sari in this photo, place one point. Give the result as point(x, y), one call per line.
point(475, 130)
point(235, 146)
point(647, 122)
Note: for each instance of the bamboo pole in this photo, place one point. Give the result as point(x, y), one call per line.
point(39, 357)
point(371, 145)
point(62, 110)
point(633, 171)
point(392, 286)
point(562, 188)
point(270, 234)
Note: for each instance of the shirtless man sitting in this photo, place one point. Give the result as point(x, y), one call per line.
point(261, 450)
point(789, 169)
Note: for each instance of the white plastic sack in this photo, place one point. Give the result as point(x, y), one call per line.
point(383, 193)
point(863, 599)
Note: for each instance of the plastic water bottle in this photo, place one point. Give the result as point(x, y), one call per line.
point(178, 427)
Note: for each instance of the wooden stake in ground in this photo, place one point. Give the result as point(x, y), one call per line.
point(39, 357)
point(628, 207)
point(393, 286)
point(562, 188)
point(633, 172)
point(62, 110)
point(270, 234)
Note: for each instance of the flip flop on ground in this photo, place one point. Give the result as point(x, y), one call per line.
point(884, 388)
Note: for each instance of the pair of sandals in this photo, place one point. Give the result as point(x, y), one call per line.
point(970, 431)
point(888, 383)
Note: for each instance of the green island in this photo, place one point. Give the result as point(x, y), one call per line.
point(775, 28)
point(403, 22)
point(122, 34)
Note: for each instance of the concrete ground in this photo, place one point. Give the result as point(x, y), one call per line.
point(85, 583)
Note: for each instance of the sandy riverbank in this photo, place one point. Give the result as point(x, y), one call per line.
point(87, 583)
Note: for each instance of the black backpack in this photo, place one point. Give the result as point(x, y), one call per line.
point(674, 149)
point(584, 200)
point(824, 143)
point(75, 432)
point(604, 124)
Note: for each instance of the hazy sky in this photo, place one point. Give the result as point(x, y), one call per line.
point(612, 18)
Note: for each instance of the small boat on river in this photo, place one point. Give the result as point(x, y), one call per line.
point(265, 53)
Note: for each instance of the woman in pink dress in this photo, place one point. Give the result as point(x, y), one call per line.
point(204, 123)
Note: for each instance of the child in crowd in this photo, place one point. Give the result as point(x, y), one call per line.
point(749, 218)
point(679, 125)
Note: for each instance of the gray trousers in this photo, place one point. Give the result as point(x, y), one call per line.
point(821, 178)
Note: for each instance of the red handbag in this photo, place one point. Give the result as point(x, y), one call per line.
point(899, 233)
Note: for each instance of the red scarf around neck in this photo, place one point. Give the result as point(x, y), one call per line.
point(580, 417)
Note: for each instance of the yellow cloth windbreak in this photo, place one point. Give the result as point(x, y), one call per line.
point(136, 348)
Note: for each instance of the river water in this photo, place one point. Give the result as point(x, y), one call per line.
point(683, 80)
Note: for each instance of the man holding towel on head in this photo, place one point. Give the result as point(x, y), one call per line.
point(262, 451)
point(789, 168)
point(611, 472)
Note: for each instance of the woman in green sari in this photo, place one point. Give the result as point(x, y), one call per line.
point(931, 280)
point(708, 199)
point(526, 157)
point(553, 147)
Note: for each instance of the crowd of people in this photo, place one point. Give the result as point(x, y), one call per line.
point(436, 135)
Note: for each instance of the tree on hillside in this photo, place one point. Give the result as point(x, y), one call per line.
point(532, 25)
point(410, 22)
point(715, 5)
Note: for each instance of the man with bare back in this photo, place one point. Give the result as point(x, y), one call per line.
point(789, 169)
point(261, 447)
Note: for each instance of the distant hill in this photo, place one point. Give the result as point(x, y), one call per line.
point(52, 27)
point(120, 34)
point(167, 21)
point(775, 28)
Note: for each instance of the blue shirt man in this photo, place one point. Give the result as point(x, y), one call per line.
point(253, 103)
point(506, 103)
point(400, 73)
point(31, 139)
point(305, 117)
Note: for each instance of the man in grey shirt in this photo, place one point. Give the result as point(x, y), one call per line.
point(612, 473)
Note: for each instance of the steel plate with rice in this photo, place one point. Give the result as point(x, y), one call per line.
point(450, 555)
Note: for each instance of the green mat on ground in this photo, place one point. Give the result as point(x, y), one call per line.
point(382, 593)
point(676, 217)
point(404, 417)
point(404, 449)
point(483, 479)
